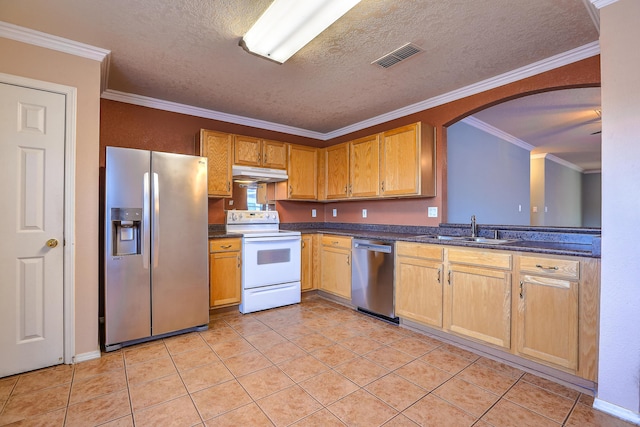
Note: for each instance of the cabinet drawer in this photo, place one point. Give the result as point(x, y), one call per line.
point(550, 266)
point(481, 258)
point(336, 241)
point(224, 245)
point(418, 250)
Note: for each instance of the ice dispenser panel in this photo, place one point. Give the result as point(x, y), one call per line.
point(126, 230)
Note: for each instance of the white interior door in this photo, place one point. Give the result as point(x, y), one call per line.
point(32, 143)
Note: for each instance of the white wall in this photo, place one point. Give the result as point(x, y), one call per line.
point(619, 362)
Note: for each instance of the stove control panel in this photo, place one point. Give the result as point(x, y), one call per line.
point(252, 217)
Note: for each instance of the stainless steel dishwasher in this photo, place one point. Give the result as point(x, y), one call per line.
point(372, 289)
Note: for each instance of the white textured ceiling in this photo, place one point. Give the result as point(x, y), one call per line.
point(187, 51)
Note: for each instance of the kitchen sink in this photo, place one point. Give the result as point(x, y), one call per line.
point(482, 240)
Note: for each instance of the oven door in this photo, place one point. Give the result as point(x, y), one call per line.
point(270, 260)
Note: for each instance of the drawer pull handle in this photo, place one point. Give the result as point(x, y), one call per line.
point(335, 243)
point(225, 246)
point(552, 267)
point(521, 291)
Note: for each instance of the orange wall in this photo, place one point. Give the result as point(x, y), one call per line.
point(146, 128)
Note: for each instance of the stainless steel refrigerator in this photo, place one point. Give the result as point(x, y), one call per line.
point(156, 256)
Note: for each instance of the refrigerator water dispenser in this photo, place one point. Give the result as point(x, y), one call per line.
point(126, 231)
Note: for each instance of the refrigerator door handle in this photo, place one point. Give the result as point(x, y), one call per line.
point(155, 221)
point(145, 221)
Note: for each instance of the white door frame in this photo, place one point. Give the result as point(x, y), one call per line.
point(70, 94)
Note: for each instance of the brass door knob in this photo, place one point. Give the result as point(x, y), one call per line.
point(52, 243)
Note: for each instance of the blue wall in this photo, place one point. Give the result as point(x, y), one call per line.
point(487, 177)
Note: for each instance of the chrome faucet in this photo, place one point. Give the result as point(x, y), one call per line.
point(474, 226)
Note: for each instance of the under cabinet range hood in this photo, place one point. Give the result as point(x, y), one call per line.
point(249, 173)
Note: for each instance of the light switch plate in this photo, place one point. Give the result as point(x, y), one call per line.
point(313, 213)
point(335, 212)
point(364, 213)
point(432, 212)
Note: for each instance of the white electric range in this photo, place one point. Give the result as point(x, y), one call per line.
point(270, 260)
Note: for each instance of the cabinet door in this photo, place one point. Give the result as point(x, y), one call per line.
point(217, 148)
point(337, 171)
point(274, 155)
point(419, 290)
point(478, 304)
point(547, 320)
point(247, 151)
point(364, 167)
point(306, 276)
point(302, 171)
point(224, 278)
point(336, 271)
point(400, 161)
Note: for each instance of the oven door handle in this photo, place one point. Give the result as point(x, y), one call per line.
point(272, 239)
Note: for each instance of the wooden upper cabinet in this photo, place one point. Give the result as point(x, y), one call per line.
point(217, 148)
point(274, 154)
point(258, 152)
point(364, 169)
point(247, 151)
point(303, 173)
point(407, 161)
point(337, 171)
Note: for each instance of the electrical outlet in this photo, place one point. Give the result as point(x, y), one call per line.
point(519, 208)
point(313, 213)
point(432, 212)
point(364, 213)
point(545, 209)
point(335, 212)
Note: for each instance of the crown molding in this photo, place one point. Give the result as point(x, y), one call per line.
point(49, 41)
point(60, 44)
point(491, 130)
point(556, 61)
point(145, 101)
point(557, 160)
point(486, 127)
point(602, 3)
point(548, 64)
point(594, 14)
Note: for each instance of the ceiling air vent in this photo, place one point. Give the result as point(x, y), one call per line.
point(400, 54)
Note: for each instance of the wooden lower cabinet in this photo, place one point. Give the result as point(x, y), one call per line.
point(547, 320)
point(478, 304)
point(309, 263)
point(541, 308)
point(419, 278)
point(335, 258)
point(225, 273)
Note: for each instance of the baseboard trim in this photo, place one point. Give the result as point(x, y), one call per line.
point(616, 411)
point(86, 356)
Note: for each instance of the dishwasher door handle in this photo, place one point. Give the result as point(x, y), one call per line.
point(372, 247)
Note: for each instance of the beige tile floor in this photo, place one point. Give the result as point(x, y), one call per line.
point(312, 364)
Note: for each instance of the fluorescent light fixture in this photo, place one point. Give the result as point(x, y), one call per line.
point(288, 25)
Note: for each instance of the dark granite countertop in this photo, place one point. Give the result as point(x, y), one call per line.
point(556, 241)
